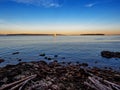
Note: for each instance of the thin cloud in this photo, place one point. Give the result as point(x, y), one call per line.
point(90, 5)
point(44, 3)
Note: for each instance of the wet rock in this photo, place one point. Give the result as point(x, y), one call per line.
point(96, 62)
point(63, 62)
point(19, 60)
point(43, 62)
point(55, 55)
point(53, 64)
point(46, 57)
point(84, 64)
point(108, 54)
point(53, 75)
point(2, 60)
point(69, 63)
point(63, 57)
point(117, 54)
point(9, 66)
point(106, 67)
point(77, 62)
point(15, 53)
point(42, 54)
point(49, 58)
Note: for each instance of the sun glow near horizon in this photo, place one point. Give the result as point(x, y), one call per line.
point(59, 16)
point(59, 29)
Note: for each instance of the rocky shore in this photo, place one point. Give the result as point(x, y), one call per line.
point(57, 76)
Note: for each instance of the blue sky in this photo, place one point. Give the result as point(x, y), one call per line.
point(60, 16)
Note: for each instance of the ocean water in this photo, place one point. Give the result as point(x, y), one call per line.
point(85, 49)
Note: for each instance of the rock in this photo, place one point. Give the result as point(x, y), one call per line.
point(49, 58)
point(77, 62)
point(54, 76)
point(63, 62)
point(42, 54)
point(117, 54)
point(55, 55)
point(43, 62)
point(84, 64)
point(62, 87)
point(49, 83)
point(2, 60)
point(117, 77)
point(55, 87)
point(63, 57)
point(15, 53)
point(19, 60)
point(54, 63)
point(5, 79)
point(46, 57)
point(69, 63)
point(9, 66)
point(96, 62)
point(108, 54)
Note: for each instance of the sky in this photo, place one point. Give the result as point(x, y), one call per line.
point(59, 16)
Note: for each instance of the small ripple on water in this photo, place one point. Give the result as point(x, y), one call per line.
point(83, 49)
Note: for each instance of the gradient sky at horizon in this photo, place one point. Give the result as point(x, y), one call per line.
point(60, 16)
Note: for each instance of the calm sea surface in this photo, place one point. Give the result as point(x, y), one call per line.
point(85, 49)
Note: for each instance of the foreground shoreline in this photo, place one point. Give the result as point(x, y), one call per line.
point(40, 75)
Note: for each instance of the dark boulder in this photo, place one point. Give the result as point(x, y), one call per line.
point(49, 58)
point(108, 54)
point(55, 55)
point(117, 54)
point(19, 60)
point(46, 57)
point(2, 60)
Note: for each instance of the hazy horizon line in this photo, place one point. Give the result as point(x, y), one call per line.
point(51, 34)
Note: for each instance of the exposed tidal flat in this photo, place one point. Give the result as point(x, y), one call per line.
point(59, 63)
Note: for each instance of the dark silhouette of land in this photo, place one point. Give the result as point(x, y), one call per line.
point(49, 34)
point(28, 34)
point(91, 34)
point(31, 34)
point(55, 34)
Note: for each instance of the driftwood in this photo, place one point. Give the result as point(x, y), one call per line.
point(98, 83)
point(17, 84)
point(50, 78)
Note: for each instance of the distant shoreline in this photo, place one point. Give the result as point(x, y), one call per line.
point(56, 34)
point(91, 34)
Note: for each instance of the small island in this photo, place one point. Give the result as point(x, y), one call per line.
point(92, 34)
